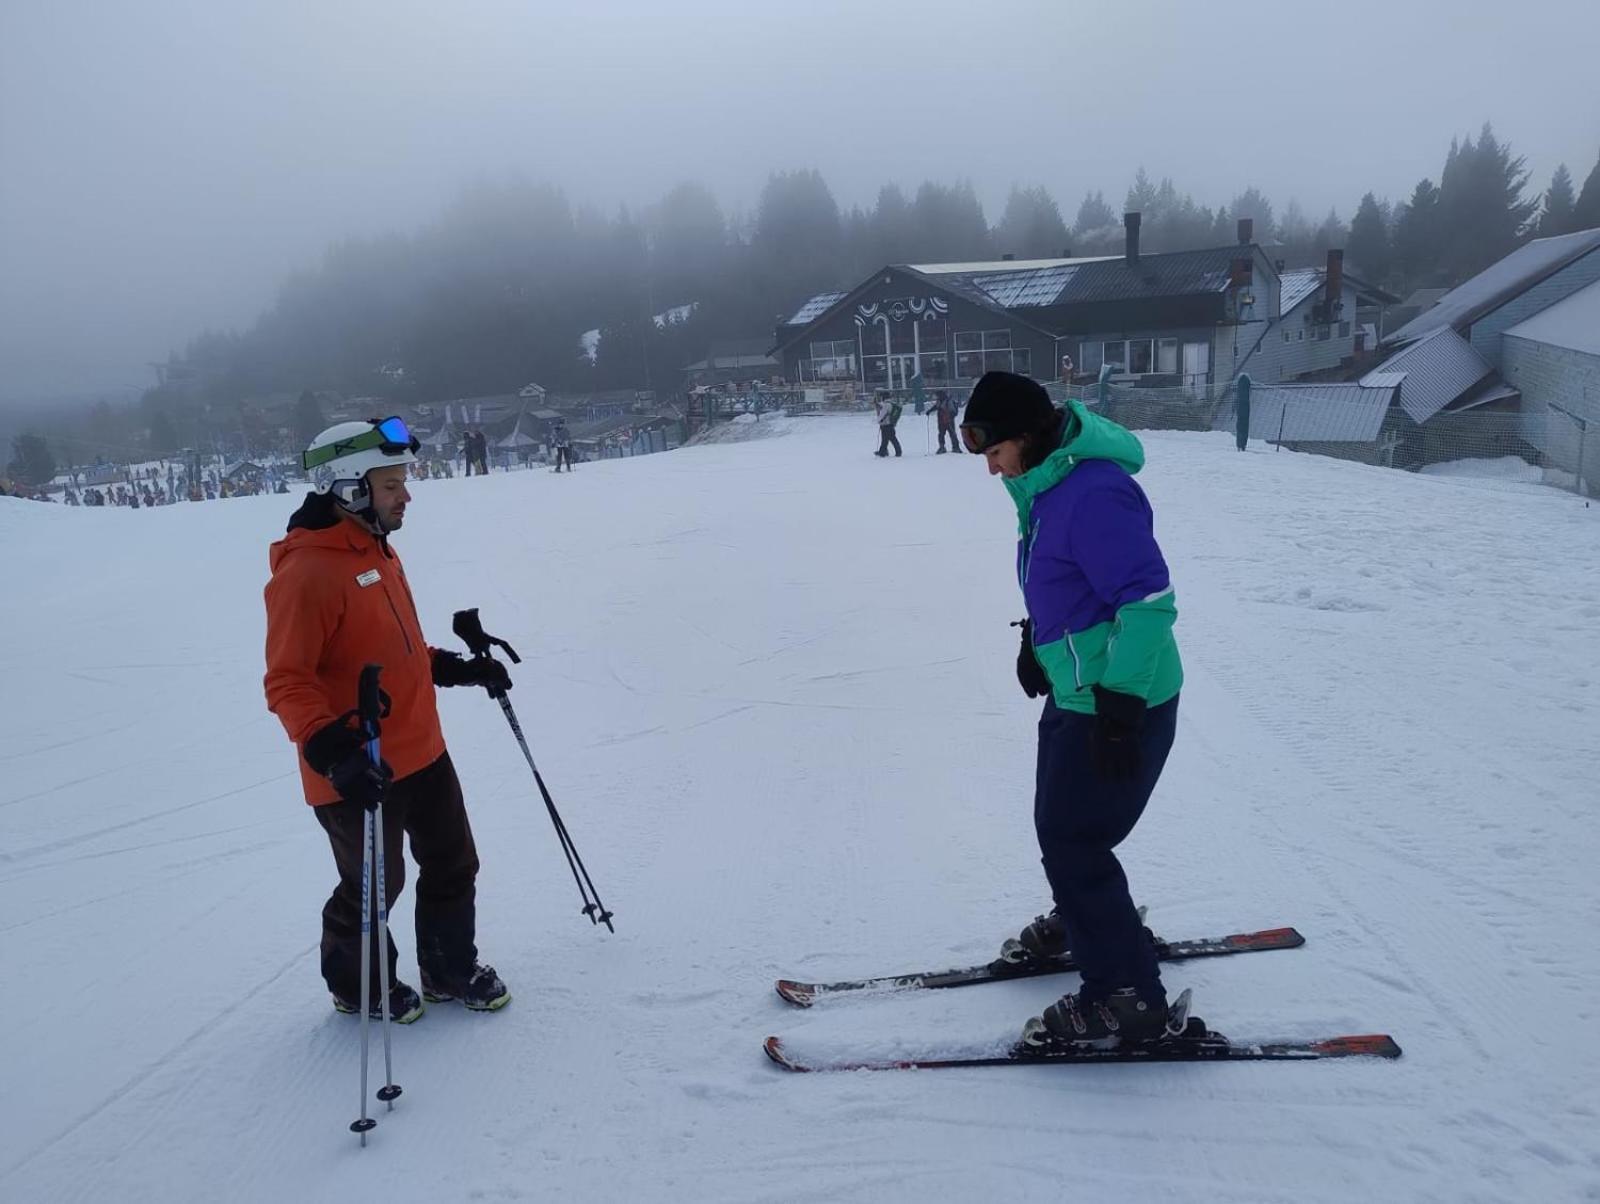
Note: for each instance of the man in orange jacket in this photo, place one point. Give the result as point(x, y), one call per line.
point(338, 600)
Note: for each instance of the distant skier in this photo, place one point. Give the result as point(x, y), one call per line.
point(561, 440)
point(1098, 645)
point(946, 407)
point(338, 600)
point(888, 411)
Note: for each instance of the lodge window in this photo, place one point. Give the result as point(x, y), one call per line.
point(1116, 355)
point(980, 351)
point(830, 360)
point(1344, 330)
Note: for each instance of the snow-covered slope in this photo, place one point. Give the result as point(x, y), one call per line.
point(770, 684)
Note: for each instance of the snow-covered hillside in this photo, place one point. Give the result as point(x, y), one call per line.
point(770, 684)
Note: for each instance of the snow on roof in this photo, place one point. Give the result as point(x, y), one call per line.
point(1573, 323)
point(1002, 265)
point(1298, 285)
point(815, 308)
point(1499, 282)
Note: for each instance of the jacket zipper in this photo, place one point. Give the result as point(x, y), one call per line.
point(395, 610)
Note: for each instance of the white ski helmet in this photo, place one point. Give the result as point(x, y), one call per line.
point(339, 459)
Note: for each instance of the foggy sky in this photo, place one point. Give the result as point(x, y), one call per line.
point(165, 163)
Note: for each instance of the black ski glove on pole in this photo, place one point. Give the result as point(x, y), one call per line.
point(339, 753)
point(451, 669)
point(1115, 745)
point(1030, 673)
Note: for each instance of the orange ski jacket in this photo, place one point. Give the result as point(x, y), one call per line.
point(338, 600)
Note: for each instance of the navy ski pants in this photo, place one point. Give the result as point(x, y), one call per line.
point(1081, 818)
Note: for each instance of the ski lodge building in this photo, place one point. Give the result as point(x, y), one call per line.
point(1194, 319)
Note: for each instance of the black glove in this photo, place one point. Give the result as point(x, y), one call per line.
point(452, 669)
point(1030, 673)
point(339, 753)
point(1114, 747)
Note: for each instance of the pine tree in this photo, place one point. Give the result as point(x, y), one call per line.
point(1482, 213)
point(31, 461)
point(308, 421)
point(1252, 204)
point(1586, 212)
point(1094, 216)
point(1031, 227)
point(1418, 238)
point(1556, 217)
point(1369, 240)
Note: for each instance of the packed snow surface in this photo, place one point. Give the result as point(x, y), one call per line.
point(770, 684)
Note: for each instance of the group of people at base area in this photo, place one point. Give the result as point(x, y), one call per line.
point(944, 407)
point(475, 451)
point(1097, 646)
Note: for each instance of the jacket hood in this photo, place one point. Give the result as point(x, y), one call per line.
point(1085, 436)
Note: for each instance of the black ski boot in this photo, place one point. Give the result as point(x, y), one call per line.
point(1041, 940)
point(404, 1005)
point(1121, 1018)
point(482, 991)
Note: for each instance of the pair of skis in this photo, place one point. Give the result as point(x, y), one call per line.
point(1194, 1042)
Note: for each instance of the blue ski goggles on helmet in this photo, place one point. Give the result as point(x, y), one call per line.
point(389, 435)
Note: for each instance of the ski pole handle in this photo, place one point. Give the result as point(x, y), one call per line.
point(369, 701)
point(469, 627)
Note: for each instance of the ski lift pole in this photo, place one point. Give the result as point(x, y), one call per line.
point(469, 627)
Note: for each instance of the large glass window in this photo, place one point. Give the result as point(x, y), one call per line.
point(830, 360)
point(1116, 355)
point(936, 366)
point(1140, 357)
point(980, 351)
point(1022, 361)
point(1167, 357)
point(1092, 359)
point(875, 369)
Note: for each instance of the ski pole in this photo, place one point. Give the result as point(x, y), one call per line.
point(368, 706)
point(365, 1123)
point(469, 627)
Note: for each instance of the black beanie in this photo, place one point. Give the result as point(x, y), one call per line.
point(1006, 406)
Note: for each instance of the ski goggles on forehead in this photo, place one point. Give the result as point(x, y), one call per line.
point(390, 435)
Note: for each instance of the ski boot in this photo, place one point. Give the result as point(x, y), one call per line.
point(1041, 940)
point(1121, 1018)
point(404, 1005)
point(481, 991)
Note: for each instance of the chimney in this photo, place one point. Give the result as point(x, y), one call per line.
point(1130, 223)
point(1278, 264)
point(1008, 257)
point(1334, 282)
point(1247, 231)
point(1066, 252)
